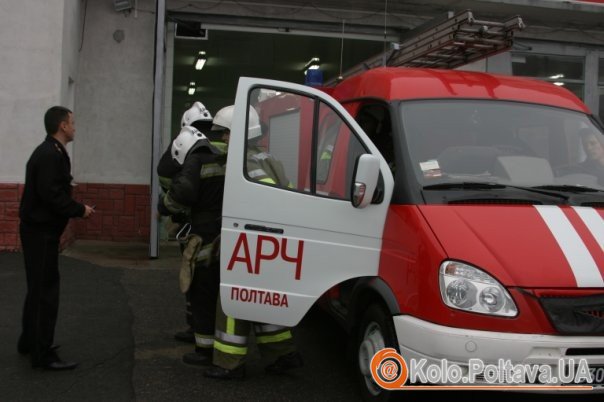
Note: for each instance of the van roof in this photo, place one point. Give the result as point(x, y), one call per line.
point(400, 83)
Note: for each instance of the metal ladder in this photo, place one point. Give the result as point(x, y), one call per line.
point(457, 40)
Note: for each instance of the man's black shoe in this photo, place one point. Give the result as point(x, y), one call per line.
point(284, 363)
point(201, 357)
point(56, 365)
point(185, 336)
point(220, 373)
point(24, 350)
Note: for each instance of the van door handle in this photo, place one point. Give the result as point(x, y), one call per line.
point(260, 228)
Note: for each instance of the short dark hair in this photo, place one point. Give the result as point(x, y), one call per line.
point(53, 117)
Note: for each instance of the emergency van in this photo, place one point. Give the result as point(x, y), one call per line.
point(446, 214)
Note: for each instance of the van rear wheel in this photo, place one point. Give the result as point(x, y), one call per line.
point(375, 333)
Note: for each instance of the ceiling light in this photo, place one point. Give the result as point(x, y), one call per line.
point(201, 60)
point(556, 77)
point(559, 83)
point(192, 87)
point(313, 64)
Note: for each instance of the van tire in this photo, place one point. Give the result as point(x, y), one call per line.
point(375, 332)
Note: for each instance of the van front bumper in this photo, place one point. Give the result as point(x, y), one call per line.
point(420, 339)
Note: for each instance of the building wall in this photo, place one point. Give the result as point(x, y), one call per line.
point(31, 78)
point(114, 96)
point(109, 86)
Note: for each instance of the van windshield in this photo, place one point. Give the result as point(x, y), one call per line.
point(502, 143)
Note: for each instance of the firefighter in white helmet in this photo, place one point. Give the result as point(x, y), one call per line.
point(231, 337)
point(194, 190)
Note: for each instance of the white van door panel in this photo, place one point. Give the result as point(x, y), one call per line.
point(282, 248)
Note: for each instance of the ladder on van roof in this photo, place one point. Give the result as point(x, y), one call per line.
point(455, 41)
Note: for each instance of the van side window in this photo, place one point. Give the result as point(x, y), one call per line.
point(375, 120)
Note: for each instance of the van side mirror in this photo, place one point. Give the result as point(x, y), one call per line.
point(365, 181)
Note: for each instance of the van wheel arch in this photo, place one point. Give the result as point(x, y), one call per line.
point(368, 291)
point(370, 325)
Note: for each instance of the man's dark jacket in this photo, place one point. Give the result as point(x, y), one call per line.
point(46, 200)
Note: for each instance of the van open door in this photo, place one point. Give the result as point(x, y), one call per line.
point(305, 202)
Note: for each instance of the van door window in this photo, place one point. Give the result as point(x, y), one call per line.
point(338, 150)
point(280, 148)
point(278, 153)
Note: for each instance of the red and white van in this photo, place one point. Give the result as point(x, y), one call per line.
point(448, 214)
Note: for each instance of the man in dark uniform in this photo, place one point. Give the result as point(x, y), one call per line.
point(46, 207)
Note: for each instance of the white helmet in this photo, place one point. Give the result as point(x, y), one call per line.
point(197, 112)
point(224, 118)
point(184, 142)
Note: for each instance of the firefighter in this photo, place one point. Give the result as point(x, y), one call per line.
point(197, 189)
point(197, 116)
point(231, 337)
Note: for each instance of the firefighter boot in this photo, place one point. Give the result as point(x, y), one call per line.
point(219, 373)
point(285, 363)
point(201, 357)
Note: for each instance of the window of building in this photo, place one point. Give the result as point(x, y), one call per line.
point(566, 71)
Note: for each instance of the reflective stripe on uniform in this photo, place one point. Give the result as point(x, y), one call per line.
point(257, 173)
point(228, 349)
point(211, 170)
point(230, 326)
point(266, 328)
point(274, 338)
point(267, 180)
point(231, 338)
point(204, 341)
point(260, 156)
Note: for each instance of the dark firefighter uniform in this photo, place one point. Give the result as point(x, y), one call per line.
point(198, 190)
point(45, 209)
point(167, 168)
point(231, 337)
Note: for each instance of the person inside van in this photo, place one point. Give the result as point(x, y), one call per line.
point(594, 150)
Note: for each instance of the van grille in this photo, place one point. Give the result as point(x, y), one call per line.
point(585, 352)
point(576, 315)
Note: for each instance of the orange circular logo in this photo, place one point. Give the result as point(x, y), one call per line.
point(389, 369)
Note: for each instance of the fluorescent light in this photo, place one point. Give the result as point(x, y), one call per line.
point(192, 87)
point(518, 59)
point(556, 76)
point(559, 83)
point(313, 64)
point(201, 60)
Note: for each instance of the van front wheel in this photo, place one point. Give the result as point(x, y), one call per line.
point(375, 333)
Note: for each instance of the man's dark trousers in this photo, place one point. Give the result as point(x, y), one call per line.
point(41, 254)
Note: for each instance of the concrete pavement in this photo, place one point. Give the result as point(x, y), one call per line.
point(118, 313)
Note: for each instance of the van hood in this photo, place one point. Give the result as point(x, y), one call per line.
point(541, 246)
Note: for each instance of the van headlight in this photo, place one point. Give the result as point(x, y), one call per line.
point(467, 288)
